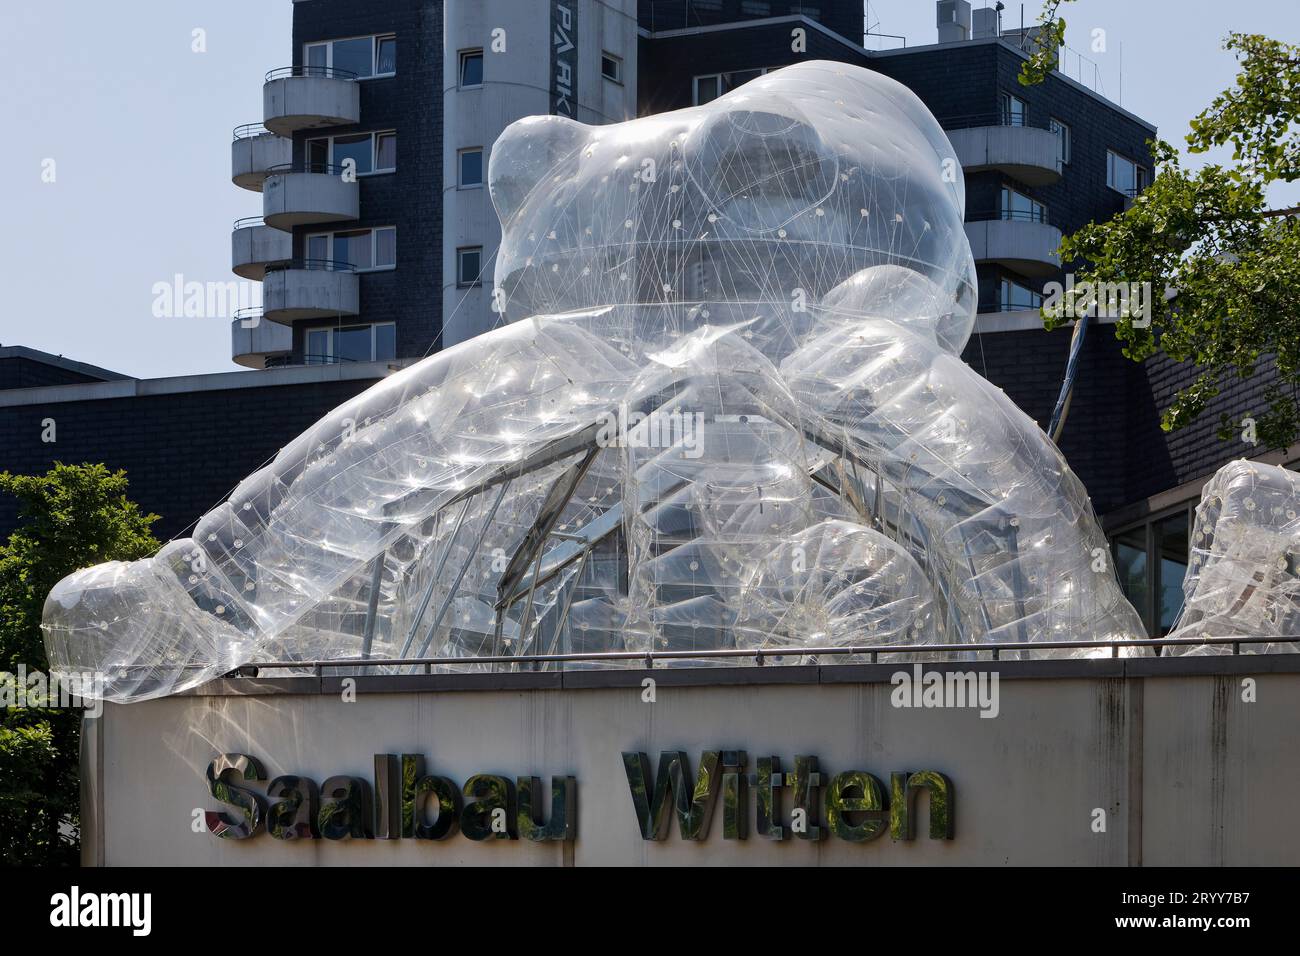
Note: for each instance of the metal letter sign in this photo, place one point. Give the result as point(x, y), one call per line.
point(564, 60)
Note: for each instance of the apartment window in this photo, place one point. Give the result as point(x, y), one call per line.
point(1013, 110)
point(469, 263)
point(1151, 560)
point(755, 8)
point(469, 162)
point(366, 250)
point(712, 85)
point(1016, 205)
point(471, 68)
point(1013, 297)
point(611, 67)
point(1124, 175)
point(364, 56)
point(1062, 140)
point(372, 152)
point(352, 343)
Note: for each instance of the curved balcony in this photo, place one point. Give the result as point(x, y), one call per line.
point(304, 194)
point(1024, 245)
point(1026, 153)
point(309, 97)
point(254, 245)
point(255, 343)
point(256, 150)
point(310, 289)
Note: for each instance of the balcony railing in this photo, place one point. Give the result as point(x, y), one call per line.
point(250, 131)
point(324, 72)
point(314, 265)
point(996, 118)
point(1008, 215)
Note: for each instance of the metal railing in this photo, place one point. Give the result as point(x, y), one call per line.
point(995, 118)
point(327, 72)
point(315, 265)
point(309, 358)
point(760, 656)
point(326, 169)
point(1008, 215)
point(248, 222)
point(250, 130)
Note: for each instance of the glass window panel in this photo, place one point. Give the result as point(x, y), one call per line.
point(1172, 541)
point(471, 167)
point(386, 151)
point(611, 67)
point(468, 265)
point(357, 148)
point(353, 247)
point(1063, 140)
point(385, 342)
point(386, 55)
point(318, 247)
point(471, 68)
point(318, 346)
point(706, 89)
point(318, 154)
point(385, 247)
point(1132, 569)
point(356, 56)
point(318, 55)
point(353, 343)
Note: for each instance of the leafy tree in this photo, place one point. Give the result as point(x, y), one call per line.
point(70, 518)
point(1221, 264)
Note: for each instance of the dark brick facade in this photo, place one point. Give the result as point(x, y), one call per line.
point(183, 452)
point(409, 102)
point(845, 17)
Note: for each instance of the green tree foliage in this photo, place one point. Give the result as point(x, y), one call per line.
point(1047, 42)
point(69, 518)
point(1223, 266)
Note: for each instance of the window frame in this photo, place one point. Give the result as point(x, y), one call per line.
point(618, 67)
point(460, 167)
point(374, 150)
point(723, 90)
point(374, 39)
point(1038, 210)
point(1062, 130)
point(330, 333)
point(1139, 173)
point(1149, 612)
point(461, 56)
point(374, 231)
point(474, 283)
point(1003, 299)
point(1006, 113)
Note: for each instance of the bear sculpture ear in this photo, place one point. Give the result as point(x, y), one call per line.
point(525, 154)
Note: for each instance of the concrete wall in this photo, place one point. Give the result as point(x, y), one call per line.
point(1187, 772)
point(516, 83)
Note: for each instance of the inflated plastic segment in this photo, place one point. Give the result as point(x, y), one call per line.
point(725, 409)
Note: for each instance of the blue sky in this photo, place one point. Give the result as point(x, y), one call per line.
point(139, 124)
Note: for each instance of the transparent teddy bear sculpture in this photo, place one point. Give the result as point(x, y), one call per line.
point(725, 412)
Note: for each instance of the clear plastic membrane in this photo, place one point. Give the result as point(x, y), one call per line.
point(1243, 575)
point(725, 409)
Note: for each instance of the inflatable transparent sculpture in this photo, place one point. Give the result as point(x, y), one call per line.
point(725, 409)
point(1243, 576)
